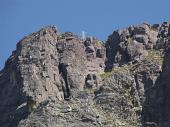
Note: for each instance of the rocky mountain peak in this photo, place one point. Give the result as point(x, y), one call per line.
point(59, 79)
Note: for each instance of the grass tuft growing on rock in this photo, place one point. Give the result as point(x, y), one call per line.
point(155, 55)
point(106, 75)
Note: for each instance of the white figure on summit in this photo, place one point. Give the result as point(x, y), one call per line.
point(84, 35)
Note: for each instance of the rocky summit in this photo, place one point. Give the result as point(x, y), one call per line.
point(56, 79)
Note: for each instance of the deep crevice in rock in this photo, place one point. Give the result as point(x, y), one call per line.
point(66, 88)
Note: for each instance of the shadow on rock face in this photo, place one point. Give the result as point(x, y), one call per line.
point(13, 107)
point(156, 110)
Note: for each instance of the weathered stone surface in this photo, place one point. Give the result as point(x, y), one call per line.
point(145, 36)
point(163, 37)
point(39, 72)
point(128, 92)
point(91, 81)
point(118, 98)
point(57, 79)
point(159, 111)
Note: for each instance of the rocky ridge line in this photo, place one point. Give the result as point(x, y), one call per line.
point(58, 79)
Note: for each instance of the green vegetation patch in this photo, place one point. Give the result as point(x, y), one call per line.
point(155, 55)
point(105, 75)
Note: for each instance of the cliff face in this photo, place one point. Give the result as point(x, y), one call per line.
point(57, 79)
point(47, 67)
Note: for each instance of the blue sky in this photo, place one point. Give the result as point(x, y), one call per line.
point(18, 18)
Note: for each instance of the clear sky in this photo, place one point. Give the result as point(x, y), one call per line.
point(18, 18)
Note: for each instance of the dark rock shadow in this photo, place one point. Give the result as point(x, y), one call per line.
point(13, 106)
point(156, 108)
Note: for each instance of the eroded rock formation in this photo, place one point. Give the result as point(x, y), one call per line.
point(57, 79)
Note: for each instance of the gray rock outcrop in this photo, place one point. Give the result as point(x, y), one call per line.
point(130, 44)
point(56, 79)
